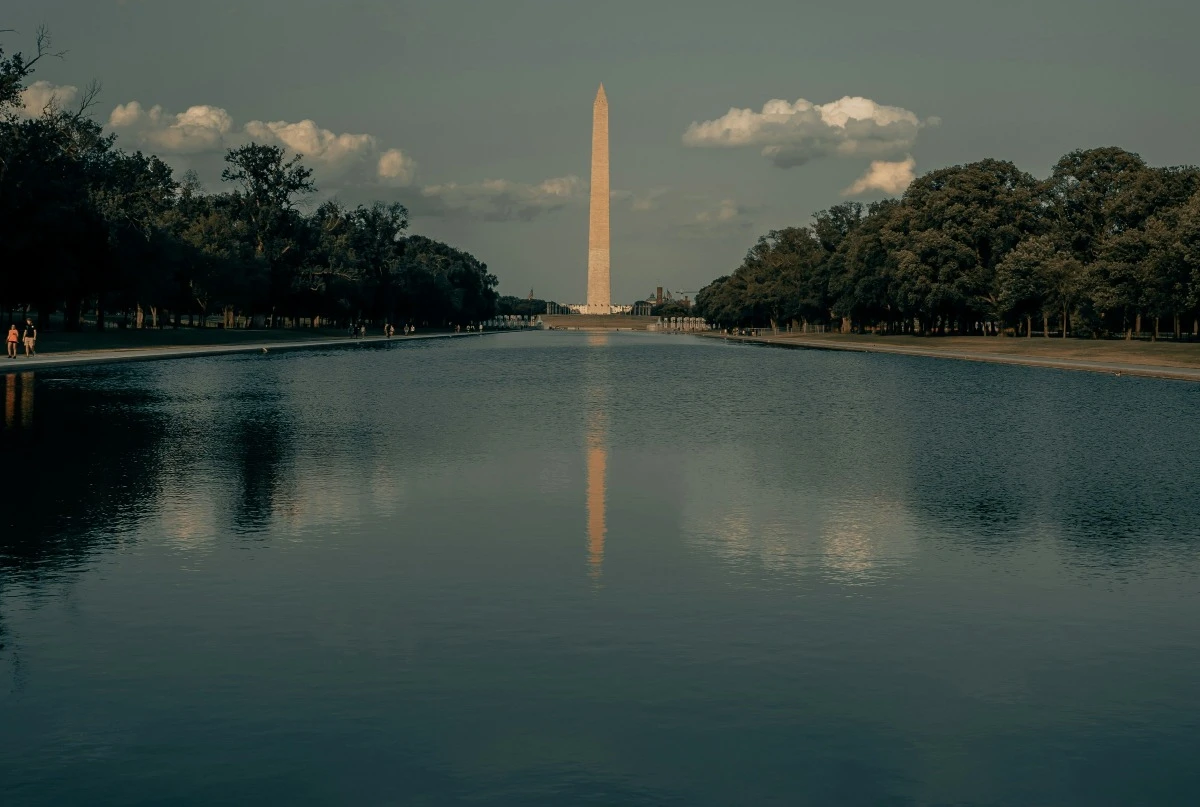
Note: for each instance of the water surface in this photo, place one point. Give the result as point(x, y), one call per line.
point(561, 568)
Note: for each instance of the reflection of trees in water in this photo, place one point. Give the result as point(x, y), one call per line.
point(82, 466)
point(262, 437)
point(982, 458)
point(1062, 458)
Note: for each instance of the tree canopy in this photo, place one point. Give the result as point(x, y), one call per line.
point(1101, 245)
point(88, 229)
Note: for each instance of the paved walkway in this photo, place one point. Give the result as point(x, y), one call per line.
point(68, 359)
point(1112, 368)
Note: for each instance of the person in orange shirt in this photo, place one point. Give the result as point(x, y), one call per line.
point(12, 341)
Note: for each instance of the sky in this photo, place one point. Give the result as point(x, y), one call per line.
point(727, 119)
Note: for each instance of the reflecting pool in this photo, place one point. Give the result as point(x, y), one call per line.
point(568, 568)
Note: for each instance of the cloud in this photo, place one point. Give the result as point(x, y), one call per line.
point(203, 129)
point(891, 178)
point(316, 144)
point(791, 134)
point(726, 217)
point(42, 94)
point(199, 129)
point(641, 202)
point(500, 199)
point(396, 167)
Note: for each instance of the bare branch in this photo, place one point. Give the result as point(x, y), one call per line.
point(87, 99)
point(44, 43)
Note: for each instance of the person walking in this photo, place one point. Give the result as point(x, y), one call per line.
point(30, 338)
point(12, 341)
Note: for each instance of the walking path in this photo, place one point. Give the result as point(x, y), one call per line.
point(77, 357)
point(1110, 367)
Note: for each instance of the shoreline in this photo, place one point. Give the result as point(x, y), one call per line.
point(1051, 362)
point(77, 358)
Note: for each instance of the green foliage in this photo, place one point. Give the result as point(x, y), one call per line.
point(519, 306)
point(85, 226)
point(1105, 241)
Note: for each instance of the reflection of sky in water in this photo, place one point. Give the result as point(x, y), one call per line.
point(856, 541)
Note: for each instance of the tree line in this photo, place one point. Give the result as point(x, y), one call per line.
point(1105, 246)
point(88, 229)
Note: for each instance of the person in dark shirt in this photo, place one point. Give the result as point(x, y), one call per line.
point(30, 338)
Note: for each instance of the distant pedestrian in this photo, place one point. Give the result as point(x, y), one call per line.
point(13, 336)
point(30, 338)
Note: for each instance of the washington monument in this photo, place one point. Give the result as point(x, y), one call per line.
point(598, 296)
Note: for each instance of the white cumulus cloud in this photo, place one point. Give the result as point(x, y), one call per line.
point(204, 129)
point(316, 144)
point(396, 166)
point(200, 128)
point(500, 199)
point(40, 95)
point(791, 134)
point(889, 177)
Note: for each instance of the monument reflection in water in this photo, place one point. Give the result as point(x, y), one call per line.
point(596, 440)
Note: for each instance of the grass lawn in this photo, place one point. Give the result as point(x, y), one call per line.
point(611, 321)
point(129, 338)
point(1161, 354)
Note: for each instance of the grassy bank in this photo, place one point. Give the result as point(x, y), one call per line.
point(1157, 359)
point(132, 339)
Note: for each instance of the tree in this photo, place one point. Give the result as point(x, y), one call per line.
point(268, 189)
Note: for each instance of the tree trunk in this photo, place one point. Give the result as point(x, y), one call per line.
point(1155, 337)
point(72, 315)
point(1177, 334)
point(1028, 326)
point(154, 317)
point(139, 317)
point(1045, 325)
point(1064, 323)
point(1137, 325)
